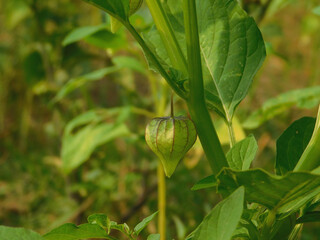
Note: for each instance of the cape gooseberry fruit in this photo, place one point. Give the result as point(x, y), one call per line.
point(170, 138)
point(133, 7)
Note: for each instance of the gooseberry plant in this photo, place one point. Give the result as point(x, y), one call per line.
point(208, 51)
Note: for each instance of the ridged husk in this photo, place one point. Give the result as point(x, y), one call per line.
point(170, 138)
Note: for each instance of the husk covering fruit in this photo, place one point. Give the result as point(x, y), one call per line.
point(170, 138)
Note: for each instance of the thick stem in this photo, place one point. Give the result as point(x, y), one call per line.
point(196, 101)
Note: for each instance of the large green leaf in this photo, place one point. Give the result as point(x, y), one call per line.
point(222, 221)
point(92, 130)
point(10, 233)
point(232, 50)
point(242, 153)
point(302, 98)
point(70, 231)
point(286, 194)
point(292, 143)
point(117, 8)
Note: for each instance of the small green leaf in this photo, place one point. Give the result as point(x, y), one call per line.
point(242, 153)
point(92, 131)
point(70, 231)
point(10, 233)
point(222, 221)
point(207, 182)
point(80, 33)
point(309, 217)
point(106, 40)
point(316, 10)
point(100, 219)
point(286, 194)
point(77, 82)
point(154, 237)
point(246, 230)
point(118, 9)
point(129, 62)
point(302, 98)
point(292, 143)
point(123, 227)
point(140, 226)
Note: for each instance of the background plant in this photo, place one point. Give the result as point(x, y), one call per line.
point(83, 106)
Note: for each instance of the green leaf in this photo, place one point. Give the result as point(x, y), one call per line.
point(316, 10)
point(140, 226)
point(246, 230)
point(70, 231)
point(207, 182)
point(77, 82)
point(309, 217)
point(129, 62)
point(123, 227)
point(105, 39)
point(233, 50)
point(10, 233)
point(242, 153)
point(292, 143)
point(100, 219)
point(286, 194)
point(92, 131)
point(81, 33)
point(302, 98)
point(231, 45)
point(118, 9)
point(310, 159)
point(222, 221)
point(154, 237)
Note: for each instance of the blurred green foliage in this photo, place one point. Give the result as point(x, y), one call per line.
point(64, 75)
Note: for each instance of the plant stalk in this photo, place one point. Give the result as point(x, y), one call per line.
point(231, 134)
point(310, 158)
point(196, 100)
point(161, 201)
point(167, 35)
point(266, 228)
point(160, 105)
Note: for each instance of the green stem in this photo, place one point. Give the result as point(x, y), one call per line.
point(167, 35)
point(267, 227)
point(196, 101)
point(160, 105)
point(310, 158)
point(231, 134)
point(161, 202)
point(154, 60)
